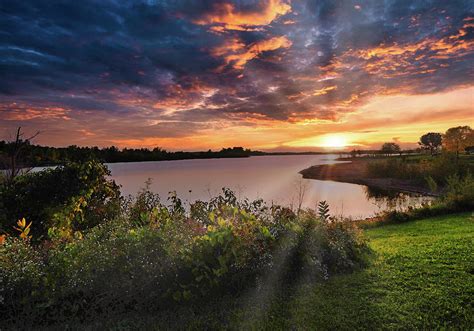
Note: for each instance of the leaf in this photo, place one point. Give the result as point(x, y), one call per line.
point(21, 223)
point(266, 232)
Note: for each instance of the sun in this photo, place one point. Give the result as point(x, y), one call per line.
point(333, 141)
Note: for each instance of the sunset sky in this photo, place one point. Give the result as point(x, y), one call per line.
point(269, 75)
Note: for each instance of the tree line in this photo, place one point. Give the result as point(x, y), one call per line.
point(457, 140)
point(37, 155)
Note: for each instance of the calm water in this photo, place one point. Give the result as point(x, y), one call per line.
point(273, 178)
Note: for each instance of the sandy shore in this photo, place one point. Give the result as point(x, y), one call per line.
point(356, 172)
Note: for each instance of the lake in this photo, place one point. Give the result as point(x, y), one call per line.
point(272, 178)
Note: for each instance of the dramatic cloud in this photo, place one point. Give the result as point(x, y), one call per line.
point(228, 16)
point(237, 54)
point(206, 74)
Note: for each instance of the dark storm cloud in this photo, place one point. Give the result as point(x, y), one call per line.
point(202, 61)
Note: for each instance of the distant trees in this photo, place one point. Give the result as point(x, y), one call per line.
point(458, 138)
point(390, 148)
point(35, 155)
point(431, 141)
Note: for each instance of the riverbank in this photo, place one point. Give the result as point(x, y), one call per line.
point(421, 278)
point(355, 172)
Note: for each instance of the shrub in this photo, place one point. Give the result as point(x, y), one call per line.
point(113, 268)
point(170, 258)
point(22, 280)
point(459, 192)
point(72, 197)
point(142, 205)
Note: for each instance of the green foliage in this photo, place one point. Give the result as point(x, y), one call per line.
point(167, 258)
point(432, 185)
point(425, 261)
point(459, 192)
point(141, 207)
point(438, 168)
point(59, 201)
point(323, 211)
point(22, 279)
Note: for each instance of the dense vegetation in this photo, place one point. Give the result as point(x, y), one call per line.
point(447, 171)
point(419, 168)
point(79, 250)
point(421, 277)
point(64, 199)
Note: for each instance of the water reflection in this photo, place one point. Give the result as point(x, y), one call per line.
point(394, 200)
point(274, 179)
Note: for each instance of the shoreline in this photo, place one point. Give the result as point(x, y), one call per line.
point(355, 172)
point(213, 157)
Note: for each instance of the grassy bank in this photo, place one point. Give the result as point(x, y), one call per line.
point(422, 174)
point(422, 277)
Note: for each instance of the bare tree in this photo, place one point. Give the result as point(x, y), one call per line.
point(301, 187)
point(14, 167)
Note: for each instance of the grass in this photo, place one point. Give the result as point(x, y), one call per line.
point(422, 277)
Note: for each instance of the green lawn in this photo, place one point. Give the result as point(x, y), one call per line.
point(422, 277)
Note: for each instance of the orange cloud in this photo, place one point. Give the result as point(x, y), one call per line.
point(236, 54)
point(15, 112)
point(397, 60)
point(324, 90)
point(231, 45)
point(228, 16)
point(183, 98)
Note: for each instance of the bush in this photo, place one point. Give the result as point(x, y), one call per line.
point(22, 279)
point(459, 192)
point(170, 258)
point(72, 197)
point(114, 267)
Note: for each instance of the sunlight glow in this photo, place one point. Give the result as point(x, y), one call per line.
point(333, 141)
